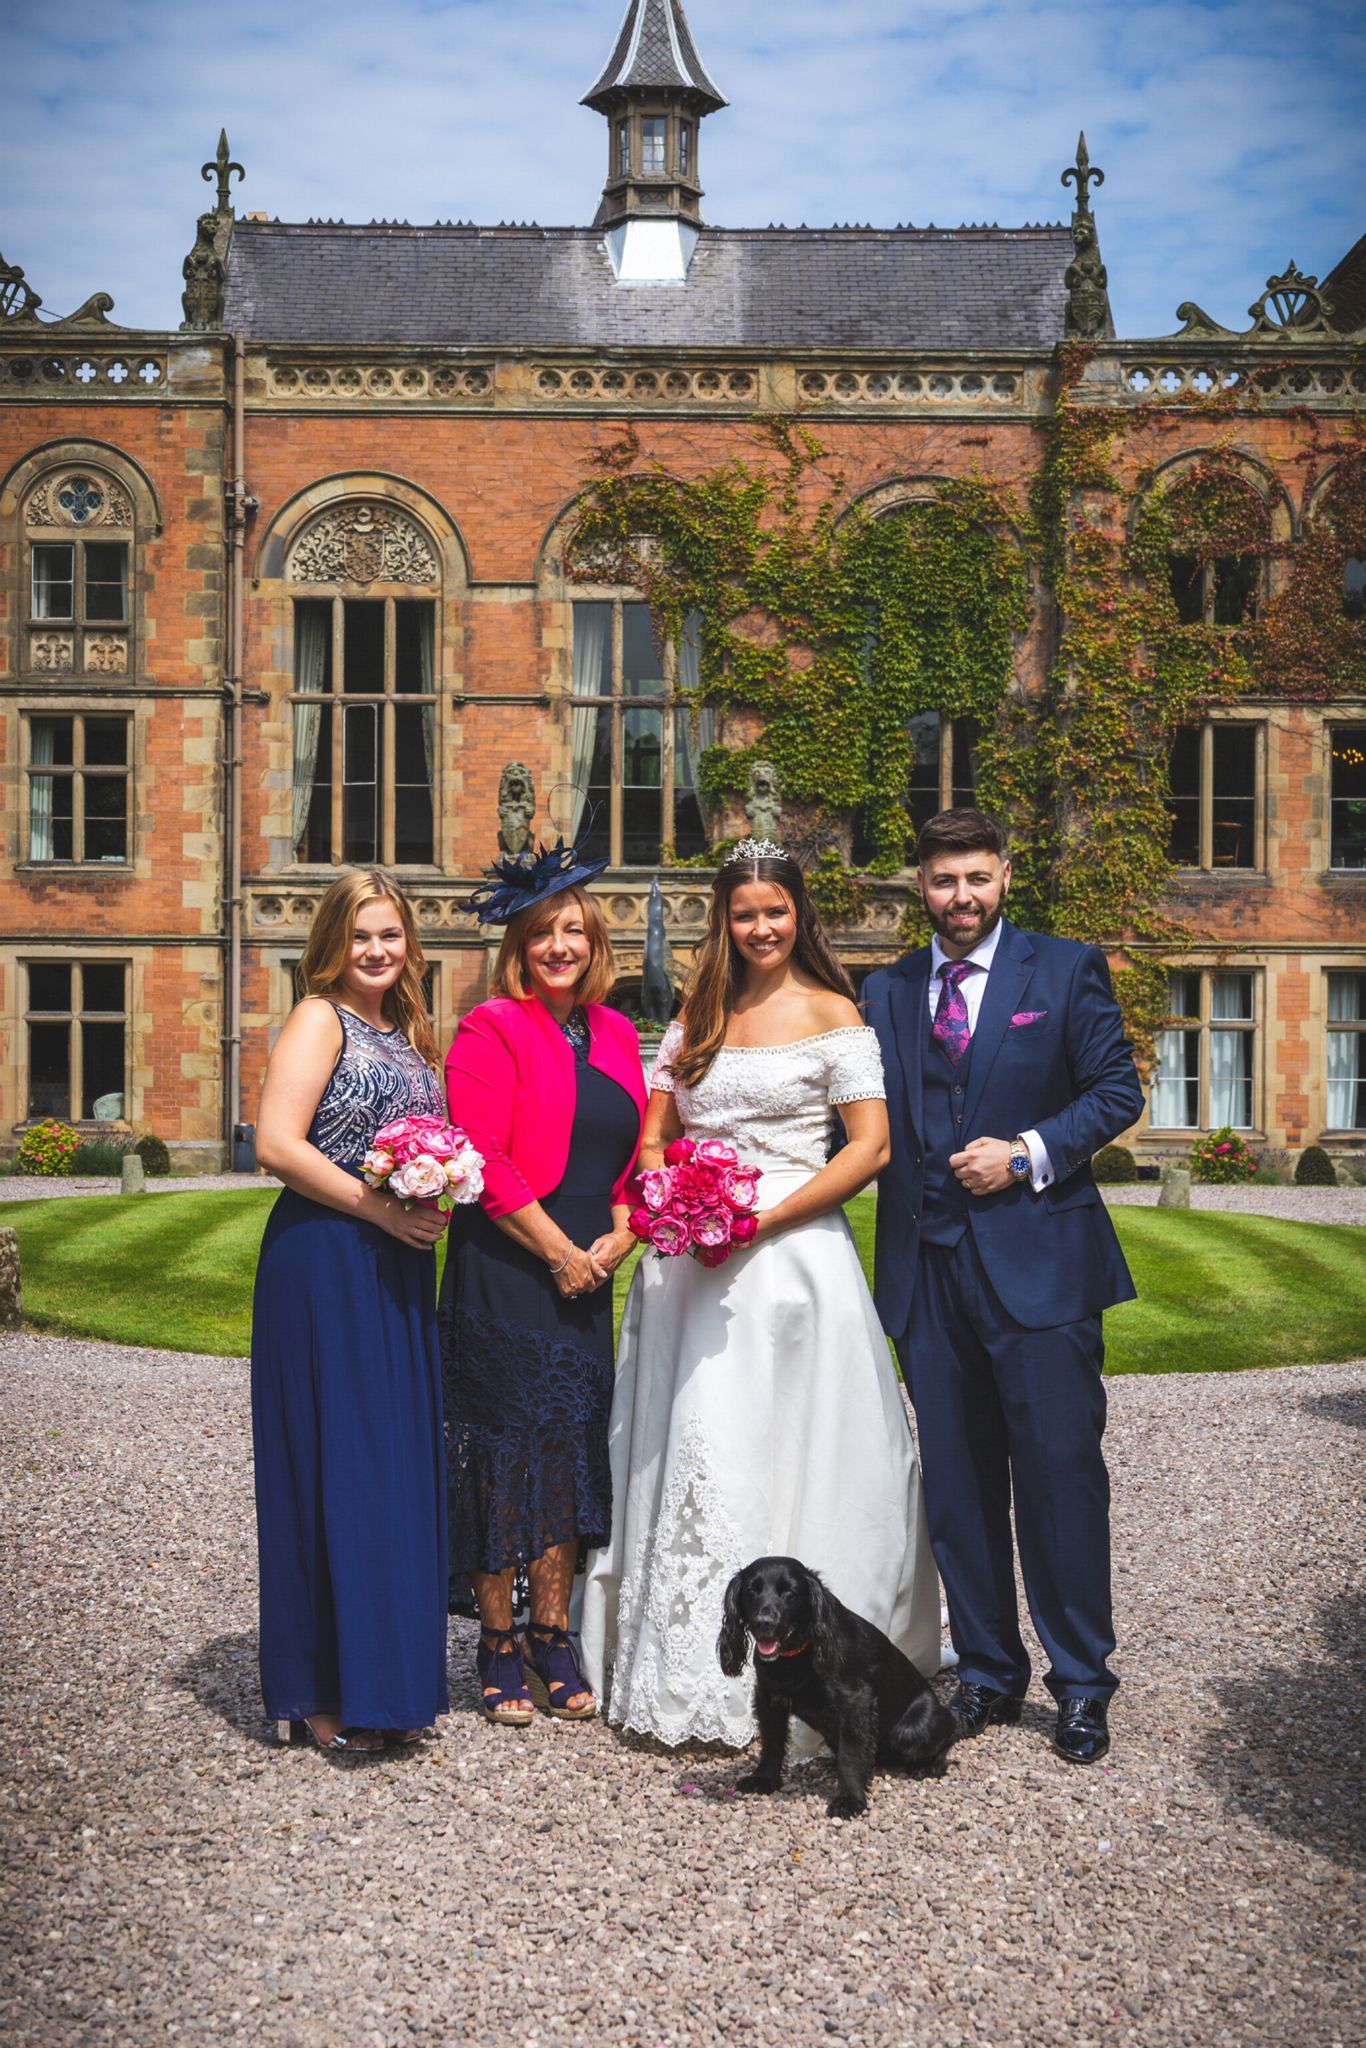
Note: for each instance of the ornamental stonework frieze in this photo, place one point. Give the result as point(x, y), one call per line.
point(361, 542)
point(78, 499)
point(1160, 379)
point(80, 374)
point(381, 383)
point(884, 386)
point(618, 384)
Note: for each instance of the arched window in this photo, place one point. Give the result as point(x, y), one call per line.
point(366, 583)
point(78, 597)
point(634, 745)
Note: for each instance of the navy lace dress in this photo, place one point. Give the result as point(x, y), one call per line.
point(528, 1372)
point(346, 1425)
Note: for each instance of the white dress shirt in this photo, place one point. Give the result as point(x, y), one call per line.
point(973, 987)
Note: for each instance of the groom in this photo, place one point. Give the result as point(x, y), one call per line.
point(1006, 1068)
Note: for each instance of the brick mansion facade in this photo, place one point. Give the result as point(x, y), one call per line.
point(288, 587)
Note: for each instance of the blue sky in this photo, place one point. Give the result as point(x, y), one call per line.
point(1232, 132)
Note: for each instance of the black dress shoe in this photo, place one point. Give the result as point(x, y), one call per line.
point(1081, 1734)
point(974, 1705)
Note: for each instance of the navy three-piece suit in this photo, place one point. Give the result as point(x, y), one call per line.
point(994, 1302)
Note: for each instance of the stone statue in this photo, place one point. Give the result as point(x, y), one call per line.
point(657, 978)
point(516, 808)
point(1086, 279)
point(764, 801)
point(204, 274)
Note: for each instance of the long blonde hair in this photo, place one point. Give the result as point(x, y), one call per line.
point(328, 952)
point(718, 971)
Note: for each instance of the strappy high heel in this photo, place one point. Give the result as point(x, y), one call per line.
point(302, 1733)
point(504, 1696)
point(552, 1671)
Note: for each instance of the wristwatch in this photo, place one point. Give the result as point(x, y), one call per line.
point(1020, 1163)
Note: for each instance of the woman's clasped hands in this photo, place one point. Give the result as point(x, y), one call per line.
point(583, 1272)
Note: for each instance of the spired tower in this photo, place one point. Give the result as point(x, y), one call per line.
point(655, 94)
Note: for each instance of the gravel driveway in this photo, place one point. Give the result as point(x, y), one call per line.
point(172, 1877)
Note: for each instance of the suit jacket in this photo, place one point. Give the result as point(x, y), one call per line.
point(510, 1085)
point(1049, 1055)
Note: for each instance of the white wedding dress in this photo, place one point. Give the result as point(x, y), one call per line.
point(757, 1412)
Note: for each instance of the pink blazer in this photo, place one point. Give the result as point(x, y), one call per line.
point(510, 1085)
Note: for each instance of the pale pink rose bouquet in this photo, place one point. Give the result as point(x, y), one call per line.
point(424, 1159)
point(702, 1200)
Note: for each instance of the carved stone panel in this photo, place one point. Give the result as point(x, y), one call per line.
point(79, 499)
point(360, 542)
point(106, 654)
point(53, 653)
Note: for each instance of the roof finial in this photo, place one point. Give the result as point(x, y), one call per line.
point(221, 169)
point(1082, 176)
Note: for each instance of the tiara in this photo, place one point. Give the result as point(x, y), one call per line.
point(755, 849)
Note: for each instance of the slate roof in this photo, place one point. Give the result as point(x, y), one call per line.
point(774, 289)
point(1345, 289)
point(654, 48)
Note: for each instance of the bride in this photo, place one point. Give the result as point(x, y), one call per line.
point(757, 1409)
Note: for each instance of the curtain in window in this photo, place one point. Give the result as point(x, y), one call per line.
point(1344, 1063)
point(1169, 1109)
point(426, 642)
point(312, 624)
point(1230, 1074)
point(592, 652)
point(40, 792)
point(697, 726)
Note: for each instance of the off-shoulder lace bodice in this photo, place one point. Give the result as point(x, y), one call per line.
point(776, 1103)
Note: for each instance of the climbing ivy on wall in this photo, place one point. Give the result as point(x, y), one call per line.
point(825, 631)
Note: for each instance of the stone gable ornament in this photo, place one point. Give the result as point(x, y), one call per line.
point(204, 274)
point(764, 801)
point(363, 543)
point(516, 808)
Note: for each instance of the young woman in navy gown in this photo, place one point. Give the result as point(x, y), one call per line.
point(345, 1366)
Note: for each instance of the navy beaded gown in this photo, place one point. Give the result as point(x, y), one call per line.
point(528, 1371)
point(347, 1429)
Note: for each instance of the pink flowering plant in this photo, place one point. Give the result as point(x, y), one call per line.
point(424, 1159)
point(48, 1147)
point(1223, 1158)
point(702, 1200)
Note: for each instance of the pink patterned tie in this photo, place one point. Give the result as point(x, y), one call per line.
point(951, 1015)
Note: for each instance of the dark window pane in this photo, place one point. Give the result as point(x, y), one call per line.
point(643, 749)
point(1183, 804)
point(1188, 588)
point(640, 825)
point(690, 834)
point(652, 134)
point(360, 776)
point(642, 660)
point(1235, 588)
point(106, 817)
point(965, 734)
point(52, 740)
point(317, 839)
point(1235, 806)
point(106, 742)
point(412, 784)
point(102, 1063)
point(49, 985)
point(1354, 588)
point(54, 580)
point(623, 150)
point(414, 627)
point(684, 149)
point(1184, 995)
point(593, 834)
point(102, 987)
point(51, 830)
point(49, 1070)
point(363, 646)
point(1348, 805)
point(106, 581)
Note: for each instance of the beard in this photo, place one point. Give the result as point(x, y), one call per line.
point(972, 932)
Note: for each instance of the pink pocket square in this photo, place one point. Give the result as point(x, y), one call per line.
point(1027, 1017)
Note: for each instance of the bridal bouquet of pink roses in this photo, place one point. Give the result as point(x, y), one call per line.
point(702, 1200)
point(425, 1159)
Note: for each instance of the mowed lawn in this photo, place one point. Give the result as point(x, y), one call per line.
point(1217, 1292)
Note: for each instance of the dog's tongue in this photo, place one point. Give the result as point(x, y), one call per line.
point(767, 1646)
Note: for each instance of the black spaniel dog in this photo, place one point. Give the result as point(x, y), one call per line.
point(833, 1670)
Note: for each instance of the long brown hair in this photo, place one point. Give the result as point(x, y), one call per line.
point(328, 951)
point(509, 970)
point(718, 971)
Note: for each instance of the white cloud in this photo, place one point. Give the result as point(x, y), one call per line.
point(1233, 135)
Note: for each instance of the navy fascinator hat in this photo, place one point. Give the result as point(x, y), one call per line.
point(522, 880)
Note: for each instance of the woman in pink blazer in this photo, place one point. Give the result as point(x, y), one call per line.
point(547, 1081)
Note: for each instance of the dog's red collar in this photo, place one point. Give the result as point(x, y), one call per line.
point(790, 1653)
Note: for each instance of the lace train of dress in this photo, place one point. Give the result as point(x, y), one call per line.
point(757, 1411)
